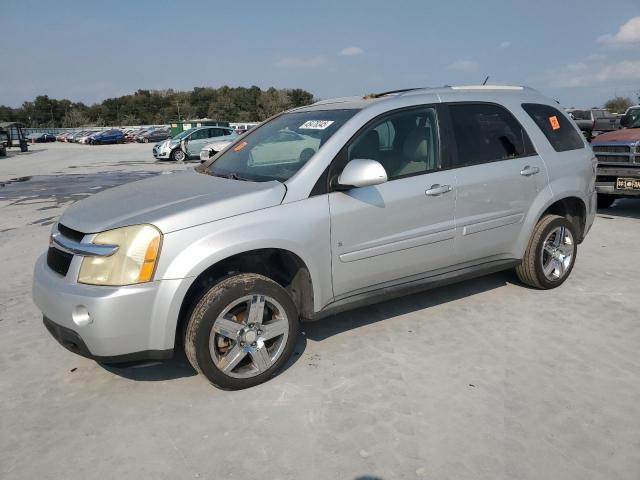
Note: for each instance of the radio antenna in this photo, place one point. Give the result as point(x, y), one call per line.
point(485, 80)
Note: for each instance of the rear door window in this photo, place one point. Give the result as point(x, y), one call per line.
point(487, 132)
point(560, 132)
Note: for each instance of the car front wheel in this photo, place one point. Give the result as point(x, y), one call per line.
point(550, 255)
point(242, 331)
point(178, 155)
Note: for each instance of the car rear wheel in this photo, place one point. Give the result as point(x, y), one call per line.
point(242, 331)
point(550, 255)
point(605, 201)
point(178, 155)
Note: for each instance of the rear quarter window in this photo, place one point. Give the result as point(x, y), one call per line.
point(560, 132)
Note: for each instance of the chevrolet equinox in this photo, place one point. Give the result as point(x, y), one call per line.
point(319, 209)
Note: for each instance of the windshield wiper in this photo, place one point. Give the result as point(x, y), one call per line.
point(230, 176)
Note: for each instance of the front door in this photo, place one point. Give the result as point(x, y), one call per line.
point(396, 231)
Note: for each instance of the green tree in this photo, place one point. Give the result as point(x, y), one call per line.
point(226, 103)
point(75, 118)
point(618, 104)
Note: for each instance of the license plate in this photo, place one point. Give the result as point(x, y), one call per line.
point(628, 184)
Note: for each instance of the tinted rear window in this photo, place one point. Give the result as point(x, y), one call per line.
point(556, 127)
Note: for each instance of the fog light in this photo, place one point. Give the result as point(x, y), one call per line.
point(80, 316)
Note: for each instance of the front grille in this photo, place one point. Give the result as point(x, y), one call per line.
point(615, 158)
point(70, 233)
point(612, 148)
point(58, 261)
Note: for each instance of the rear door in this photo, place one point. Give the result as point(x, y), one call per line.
point(396, 231)
point(498, 176)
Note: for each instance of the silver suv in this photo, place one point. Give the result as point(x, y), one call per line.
point(320, 209)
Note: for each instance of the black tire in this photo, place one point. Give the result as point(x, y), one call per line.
point(530, 271)
point(605, 200)
point(212, 304)
point(177, 155)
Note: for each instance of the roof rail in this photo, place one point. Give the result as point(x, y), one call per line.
point(487, 87)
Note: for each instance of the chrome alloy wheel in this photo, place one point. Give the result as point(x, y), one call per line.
point(557, 253)
point(248, 336)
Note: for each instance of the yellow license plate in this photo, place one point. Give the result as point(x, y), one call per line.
point(628, 184)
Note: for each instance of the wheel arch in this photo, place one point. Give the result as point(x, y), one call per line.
point(571, 205)
point(281, 265)
point(574, 209)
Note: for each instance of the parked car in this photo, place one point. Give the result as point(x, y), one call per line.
point(132, 134)
point(108, 136)
point(73, 138)
point(618, 153)
point(64, 136)
point(188, 144)
point(87, 137)
point(41, 137)
point(401, 192)
point(595, 120)
point(630, 116)
point(153, 135)
point(210, 149)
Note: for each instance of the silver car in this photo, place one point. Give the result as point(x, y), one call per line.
point(321, 208)
point(187, 144)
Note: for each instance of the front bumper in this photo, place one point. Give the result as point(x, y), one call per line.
point(606, 180)
point(160, 153)
point(126, 323)
point(73, 342)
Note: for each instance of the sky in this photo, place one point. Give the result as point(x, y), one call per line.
point(581, 52)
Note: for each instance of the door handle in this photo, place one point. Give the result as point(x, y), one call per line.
point(528, 171)
point(437, 189)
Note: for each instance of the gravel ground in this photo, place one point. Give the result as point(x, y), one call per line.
point(482, 380)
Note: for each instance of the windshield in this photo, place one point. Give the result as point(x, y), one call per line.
point(634, 122)
point(182, 134)
point(279, 148)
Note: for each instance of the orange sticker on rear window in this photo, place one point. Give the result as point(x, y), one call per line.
point(555, 124)
point(239, 147)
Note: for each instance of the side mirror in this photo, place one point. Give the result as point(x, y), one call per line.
point(361, 173)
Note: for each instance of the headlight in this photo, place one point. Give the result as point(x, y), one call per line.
point(134, 262)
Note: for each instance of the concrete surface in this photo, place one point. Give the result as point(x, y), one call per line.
point(482, 380)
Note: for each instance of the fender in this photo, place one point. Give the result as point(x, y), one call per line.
point(283, 227)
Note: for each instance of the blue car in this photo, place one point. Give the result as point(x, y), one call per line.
point(108, 136)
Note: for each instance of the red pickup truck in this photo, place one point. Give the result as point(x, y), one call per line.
point(618, 153)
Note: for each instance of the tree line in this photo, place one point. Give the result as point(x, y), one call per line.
point(149, 107)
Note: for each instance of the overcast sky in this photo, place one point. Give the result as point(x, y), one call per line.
point(579, 51)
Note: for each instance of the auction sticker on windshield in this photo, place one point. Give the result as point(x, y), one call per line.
point(316, 124)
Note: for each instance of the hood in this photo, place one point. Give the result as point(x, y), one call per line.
point(628, 135)
point(171, 202)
